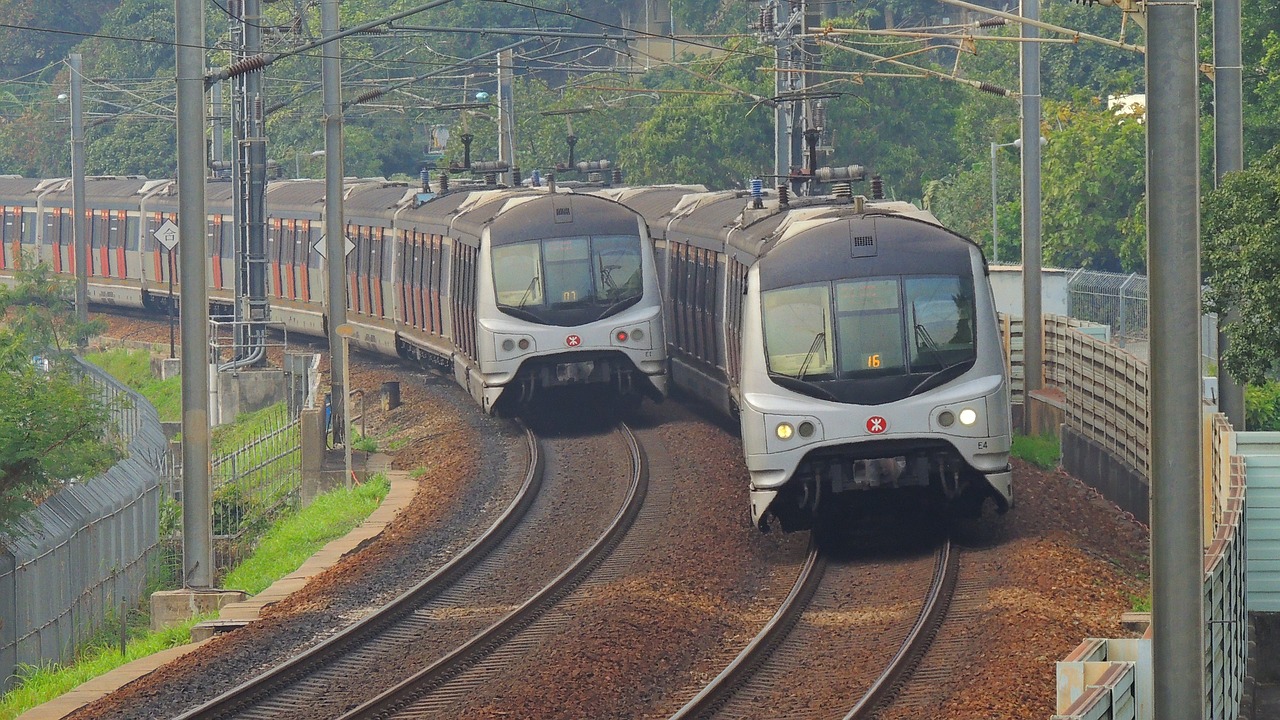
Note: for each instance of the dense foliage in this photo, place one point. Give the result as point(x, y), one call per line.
point(705, 118)
point(53, 426)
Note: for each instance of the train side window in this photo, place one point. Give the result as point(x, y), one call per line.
point(131, 223)
point(29, 225)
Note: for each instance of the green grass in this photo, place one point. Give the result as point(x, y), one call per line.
point(39, 685)
point(133, 368)
point(1043, 451)
point(297, 537)
point(286, 545)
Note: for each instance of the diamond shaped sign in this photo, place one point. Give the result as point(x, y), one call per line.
point(320, 247)
point(167, 234)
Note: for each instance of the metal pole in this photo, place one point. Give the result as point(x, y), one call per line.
point(346, 415)
point(1173, 259)
point(506, 110)
point(197, 524)
point(172, 302)
point(782, 110)
point(80, 244)
point(1228, 132)
point(334, 224)
point(995, 223)
point(1033, 324)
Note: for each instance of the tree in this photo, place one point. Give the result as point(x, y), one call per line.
point(54, 427)
point(1240, 230)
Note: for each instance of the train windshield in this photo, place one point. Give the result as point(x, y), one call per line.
point(914, 327)
point(569, 280)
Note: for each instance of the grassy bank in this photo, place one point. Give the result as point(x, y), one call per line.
point(284, 548)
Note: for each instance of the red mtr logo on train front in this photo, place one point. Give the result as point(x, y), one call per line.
point(877, 424)
point(573, 341)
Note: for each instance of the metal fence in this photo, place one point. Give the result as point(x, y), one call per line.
point(89, 550)
point(251, 486)
point(1120, 302)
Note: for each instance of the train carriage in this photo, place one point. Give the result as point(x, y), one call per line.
point(19, 221)
point(869, 359)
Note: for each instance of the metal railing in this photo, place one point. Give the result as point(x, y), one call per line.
point(250, 487)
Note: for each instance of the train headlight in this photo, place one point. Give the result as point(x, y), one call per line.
point(968, 416)
point(785, 430)
point(523, 344)
point(806, 429)
point(946, 418)
point(508, 344)
point(637, 334)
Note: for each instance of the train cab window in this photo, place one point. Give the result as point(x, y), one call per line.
point(940, 313)
point(568, 270)
point(869, 326)
point(516, 274)
point(798, 335)
point(617, 266)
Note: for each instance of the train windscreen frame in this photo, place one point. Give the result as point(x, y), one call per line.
point(568, 280)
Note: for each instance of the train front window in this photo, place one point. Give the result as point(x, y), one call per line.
point(869, 322)
point(918, 329)
point(517, 275)
point(797, 331)
point(940, 321)
point(568, 280)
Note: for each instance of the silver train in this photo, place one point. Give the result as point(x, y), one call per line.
point(855, 340)
point(510, 290)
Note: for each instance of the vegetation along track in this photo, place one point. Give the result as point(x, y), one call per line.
point(829, 630)
point(447, 620)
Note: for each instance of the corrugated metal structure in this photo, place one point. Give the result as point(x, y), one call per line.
point(85, 550)
point(1261, 454)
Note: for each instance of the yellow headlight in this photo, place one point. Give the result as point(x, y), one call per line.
point(785, 431)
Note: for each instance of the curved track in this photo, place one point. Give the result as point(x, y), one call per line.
point(777, 655)
point(437, 687)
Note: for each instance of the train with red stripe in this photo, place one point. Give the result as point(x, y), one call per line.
point(511, 290)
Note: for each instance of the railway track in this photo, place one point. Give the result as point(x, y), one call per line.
point(784, 650)
point(438, 687)
point(428, 625)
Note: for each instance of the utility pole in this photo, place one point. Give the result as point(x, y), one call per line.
point(506, 110)
point(784, 23)
point(197, 518)
point(1228, 133)
point(334, 223)
point(1173, 259)
point(249, 173)
point(1032, 320)
point(80, 245)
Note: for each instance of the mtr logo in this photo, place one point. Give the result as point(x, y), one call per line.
point(573, 341)
point(877, 425)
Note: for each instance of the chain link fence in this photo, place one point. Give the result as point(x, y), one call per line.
point(1120, 302)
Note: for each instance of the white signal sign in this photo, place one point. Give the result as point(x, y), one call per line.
point(167, 234)
point(323, 251)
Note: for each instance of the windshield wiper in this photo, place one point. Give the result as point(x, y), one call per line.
point(820, 338)
point(533, 282)
point(925, 340)
point(934, 377)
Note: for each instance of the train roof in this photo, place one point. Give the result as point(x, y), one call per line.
point(728, 218)
point(650, 201)
point(16, 190)
point(107, 190)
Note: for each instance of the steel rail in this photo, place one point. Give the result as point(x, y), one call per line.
point(746, 662)
point(945, 573)
point(404, 696)
point(273, 684)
